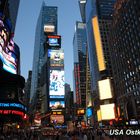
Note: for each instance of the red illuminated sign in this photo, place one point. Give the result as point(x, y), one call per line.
point(6, 112)
point(54, 36)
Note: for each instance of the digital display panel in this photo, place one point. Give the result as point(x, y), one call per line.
point(89, 112)
point(57, 83)
point(8, 54)
point(107, 111)
point(13, 105)
point(54, 41)
point(57, 104)
point(105, 89)
point(56, 58)
point(80, 112)
point(57, 119)
point(49, 28)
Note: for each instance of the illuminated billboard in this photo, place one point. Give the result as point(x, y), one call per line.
point(105, 89)
point(57, 104)
point(89, 112)
point(99, 115)
point(98, 43)
point(8, 52)
point(56, 58)
point(54, 41)
point(12, 108)
point(57, 119)
point(57, 84)
point(80, 112)
point(49, 28)
point(107, 111)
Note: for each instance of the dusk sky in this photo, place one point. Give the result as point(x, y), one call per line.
point(68, 14)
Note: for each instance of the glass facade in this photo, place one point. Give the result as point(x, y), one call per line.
point(48, 15)
point(79, 44)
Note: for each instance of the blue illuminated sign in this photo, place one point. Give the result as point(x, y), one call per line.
point(13, 105)
point(89, 112)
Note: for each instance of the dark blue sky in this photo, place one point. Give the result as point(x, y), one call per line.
point(68, 14)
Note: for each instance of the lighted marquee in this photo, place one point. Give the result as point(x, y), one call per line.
point(56, 58)
point(8, 54)
point(56, 104)
point(57, 82)
point(57, 119)
point(15, 105)
point(12, 108)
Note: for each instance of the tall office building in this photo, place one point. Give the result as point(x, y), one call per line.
point(125, 56)
point(89, 101)
point(47, 16)
point(79, 48)
point(98, 18)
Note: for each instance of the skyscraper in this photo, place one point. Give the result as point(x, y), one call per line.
point(47, 16)
point(79, 47)
point(125, 56)
point(98, 18)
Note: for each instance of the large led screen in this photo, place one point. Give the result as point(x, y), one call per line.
point(107, 111)
point(105, 89)
point(54, 41)
point(57, 104)
point(57, 82)
point(56, 58)
point(8, 55)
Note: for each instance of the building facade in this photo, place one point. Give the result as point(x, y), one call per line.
point(98, 20)
point(47, 16)
point(125, 56)
point(79, 47)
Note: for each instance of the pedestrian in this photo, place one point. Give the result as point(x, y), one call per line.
point(92, 134)
point(85, 136)
point(57, 137)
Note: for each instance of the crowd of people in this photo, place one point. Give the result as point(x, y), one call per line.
point(76, 135)
point(19, 134)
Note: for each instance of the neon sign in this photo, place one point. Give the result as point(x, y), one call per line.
point(13, 105)
point(6, 112)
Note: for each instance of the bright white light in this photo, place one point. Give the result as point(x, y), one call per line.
point(83, 1)
point(107, 111)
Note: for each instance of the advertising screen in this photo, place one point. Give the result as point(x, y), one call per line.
point(54, 41)
point(56, 58)
point(89, 112)
point(105, 89)
point(8, 54)
point(80, 112)
point(57, 104)
point(57, 119)
point(107, 111)
point(49, 28)
point(57, 82)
